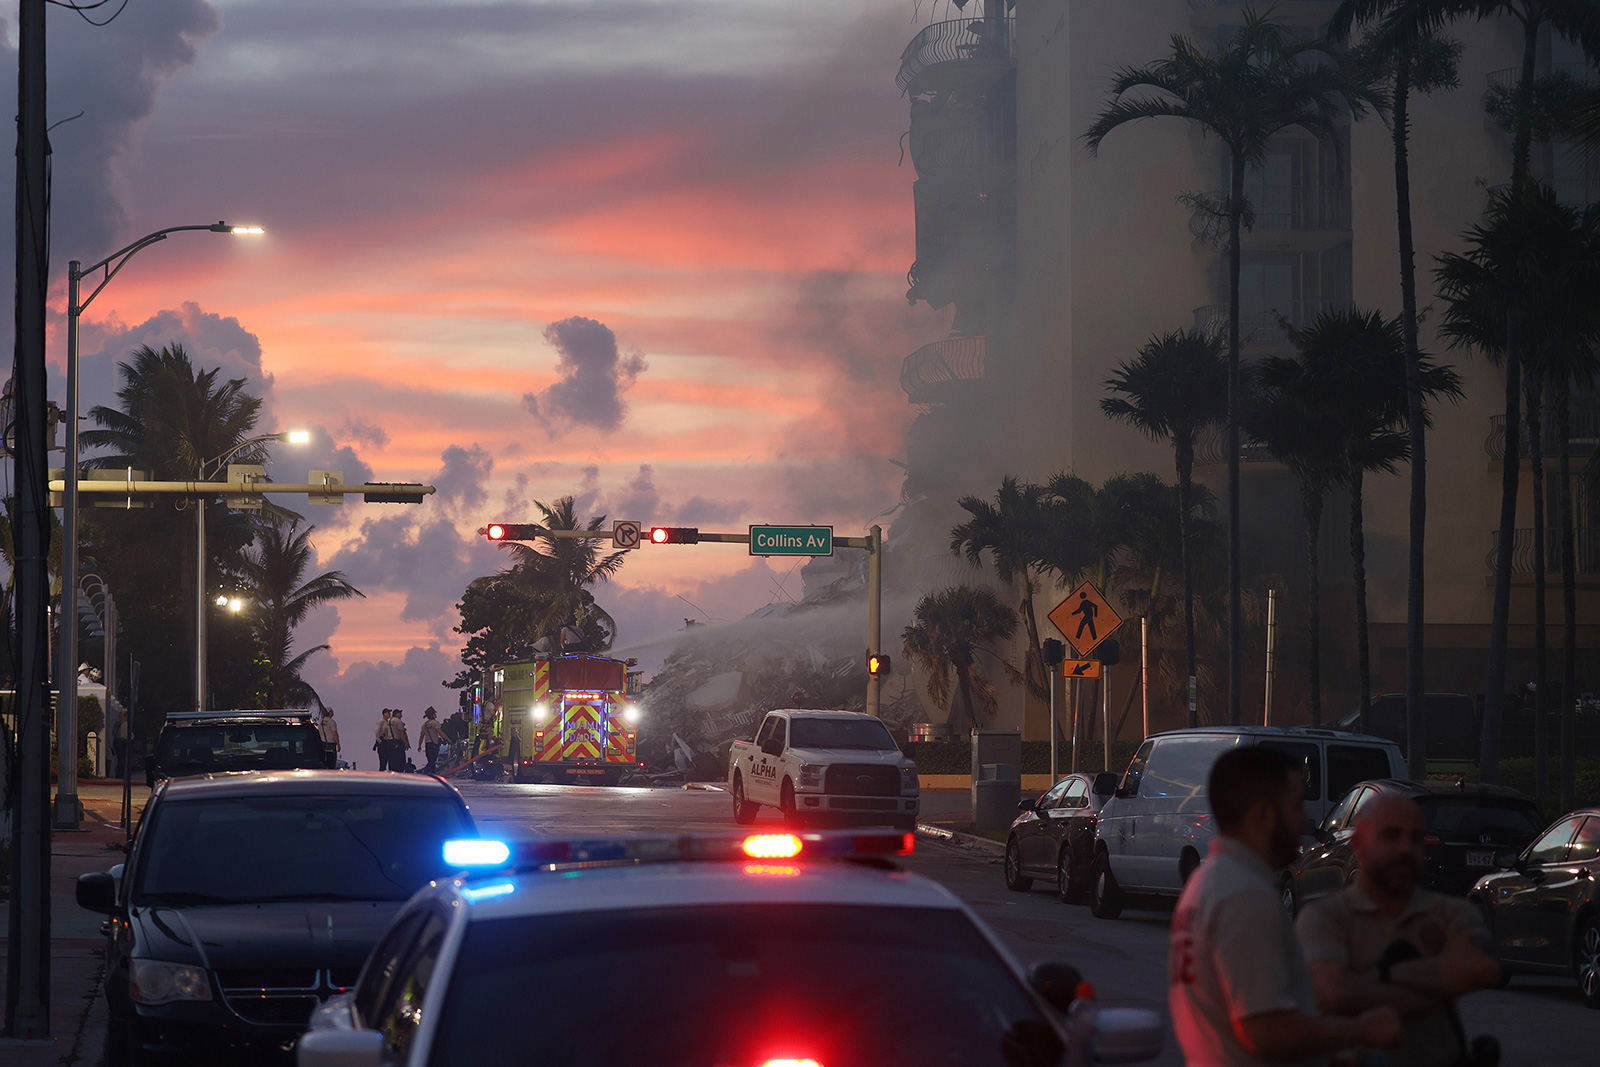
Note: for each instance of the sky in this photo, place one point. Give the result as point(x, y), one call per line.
point(648, 253)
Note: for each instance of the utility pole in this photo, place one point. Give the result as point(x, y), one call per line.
point(28, 928)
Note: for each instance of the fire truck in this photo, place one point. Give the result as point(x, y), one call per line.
point(567, 719)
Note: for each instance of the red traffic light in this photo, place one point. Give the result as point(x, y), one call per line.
point(674, 535)
point(512, 531)
point(877, 664)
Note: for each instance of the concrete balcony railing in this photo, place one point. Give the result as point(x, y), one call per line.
point(1264, 327)
point(956, 42)
point(1583, 434)
point(1281, 208)
point(929, 375)
point(1210, 449)
point(1508, 77)
point(1585, 543)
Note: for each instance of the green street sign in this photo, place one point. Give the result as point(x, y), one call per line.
point(791, 540)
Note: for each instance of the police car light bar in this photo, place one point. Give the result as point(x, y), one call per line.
point(561, 853)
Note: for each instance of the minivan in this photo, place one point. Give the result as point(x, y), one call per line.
point(1152, 833)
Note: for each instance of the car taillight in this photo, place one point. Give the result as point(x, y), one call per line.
point(1432, 840)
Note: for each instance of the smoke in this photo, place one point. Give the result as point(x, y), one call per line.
point(594, 375)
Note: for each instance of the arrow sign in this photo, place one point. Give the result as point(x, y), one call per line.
point(1081, 668)
point(1085, 619)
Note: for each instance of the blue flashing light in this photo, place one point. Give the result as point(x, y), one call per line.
point(476, 853)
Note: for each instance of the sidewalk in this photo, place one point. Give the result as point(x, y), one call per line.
point(77, 1011)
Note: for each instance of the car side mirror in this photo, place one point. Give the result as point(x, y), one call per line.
point(1105, 784)
point(1506, 859)
point(1128, 1035)
point(97, 892)
point(1027, 804)
point(340, 1048)
point(1056, 981)
point(772, 746)
point(149, 776)
point(1120, 793)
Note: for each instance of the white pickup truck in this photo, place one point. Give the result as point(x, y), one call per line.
point(817, 765)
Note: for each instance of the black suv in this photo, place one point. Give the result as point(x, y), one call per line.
point(214, 741)
point(248, 899)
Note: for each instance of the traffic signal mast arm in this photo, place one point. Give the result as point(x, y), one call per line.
point(605, 535)
point(399, 492)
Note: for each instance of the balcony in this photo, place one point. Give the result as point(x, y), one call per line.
point(1264, 327)
point(1279, 209)
point(929, 374)
point(1583, 434)
point(957, 54)
point(1507, 78)
point(1585, 543)
point(1210, 449)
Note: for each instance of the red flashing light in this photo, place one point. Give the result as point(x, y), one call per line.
point(674, 535)
point(495, 532)
point(772, 846)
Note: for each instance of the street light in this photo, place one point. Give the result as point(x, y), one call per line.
point(66, 813)
point(207, 469)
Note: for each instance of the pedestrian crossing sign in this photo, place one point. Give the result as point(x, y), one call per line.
point(1085, 619)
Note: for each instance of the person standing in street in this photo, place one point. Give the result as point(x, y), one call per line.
point(1237, 983)
point(330, 734)
point(431, 738)
point(381, 744)
point(400, 741)
point(1384, 940)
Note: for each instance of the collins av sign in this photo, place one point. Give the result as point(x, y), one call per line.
point(791, 540)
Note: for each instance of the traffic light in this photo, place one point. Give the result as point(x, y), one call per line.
point(674, 535)
point(877, 664)
point(512, 531)
point(397, 493)
point(1054, 652)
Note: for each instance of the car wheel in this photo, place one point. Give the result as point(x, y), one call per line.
point(744, 812)
point(1068, 887)
point(1586, 960)
point(1015, 881)
point(791, 814)
point(1105, 895)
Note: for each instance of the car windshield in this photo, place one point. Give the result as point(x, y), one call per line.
point(223, 849)
point(698, 986)
point(1503, 821)
point(200, 749)
point(841, 733)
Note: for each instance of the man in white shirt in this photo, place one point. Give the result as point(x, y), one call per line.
point(1237, 982)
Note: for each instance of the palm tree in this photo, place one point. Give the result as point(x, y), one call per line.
point(1175, 388)
point(275, 569)
point(1017, 532)
point(948, 629)
point(1355, 365)
point(558, 574)
point(1519, 293)
point(1254, 86)
point(1402, 47)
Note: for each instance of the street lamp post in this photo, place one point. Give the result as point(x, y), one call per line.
point(68, 812)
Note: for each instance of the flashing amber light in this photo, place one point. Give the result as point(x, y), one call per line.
point(772, 846)
point(771, 870)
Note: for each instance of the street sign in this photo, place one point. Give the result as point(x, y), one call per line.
point(1081, 668)
point(1085, 619)
point(625, 534)
point(791, 540)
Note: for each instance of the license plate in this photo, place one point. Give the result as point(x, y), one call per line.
point(587, 770)
point(1480, 859)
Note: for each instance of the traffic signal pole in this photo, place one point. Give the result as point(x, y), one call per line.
point(873, 543)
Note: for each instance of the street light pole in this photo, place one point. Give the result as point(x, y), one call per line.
point(200, 673)
point(68, 812)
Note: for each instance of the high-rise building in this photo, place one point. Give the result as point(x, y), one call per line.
point(1055, 266)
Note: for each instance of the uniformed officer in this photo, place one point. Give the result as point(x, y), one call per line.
point(1237, 983)
point(1386, 940)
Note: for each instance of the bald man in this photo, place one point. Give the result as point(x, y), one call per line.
point(1386, 940)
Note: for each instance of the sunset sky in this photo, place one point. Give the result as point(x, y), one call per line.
point(451, 188)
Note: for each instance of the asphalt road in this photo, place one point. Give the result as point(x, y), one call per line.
point(1540, 1022)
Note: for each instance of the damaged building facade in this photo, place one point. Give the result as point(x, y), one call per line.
point(1055, 267)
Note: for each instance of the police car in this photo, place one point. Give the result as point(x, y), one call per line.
point(761, 949)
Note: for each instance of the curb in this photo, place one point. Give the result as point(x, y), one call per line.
point(961, 840)
point(89, 1049)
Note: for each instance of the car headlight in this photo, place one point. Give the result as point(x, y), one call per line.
point(908, 779)
point(155, 982)
point(811, 775)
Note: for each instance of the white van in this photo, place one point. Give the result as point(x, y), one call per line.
point(1152, 834)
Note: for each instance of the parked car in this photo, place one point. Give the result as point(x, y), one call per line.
point(1152, 833)
point(772, 948)
point(210, 742)
point(1465, 826)
point(1053, 838)
point(1543, 906)
point(248, 899)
